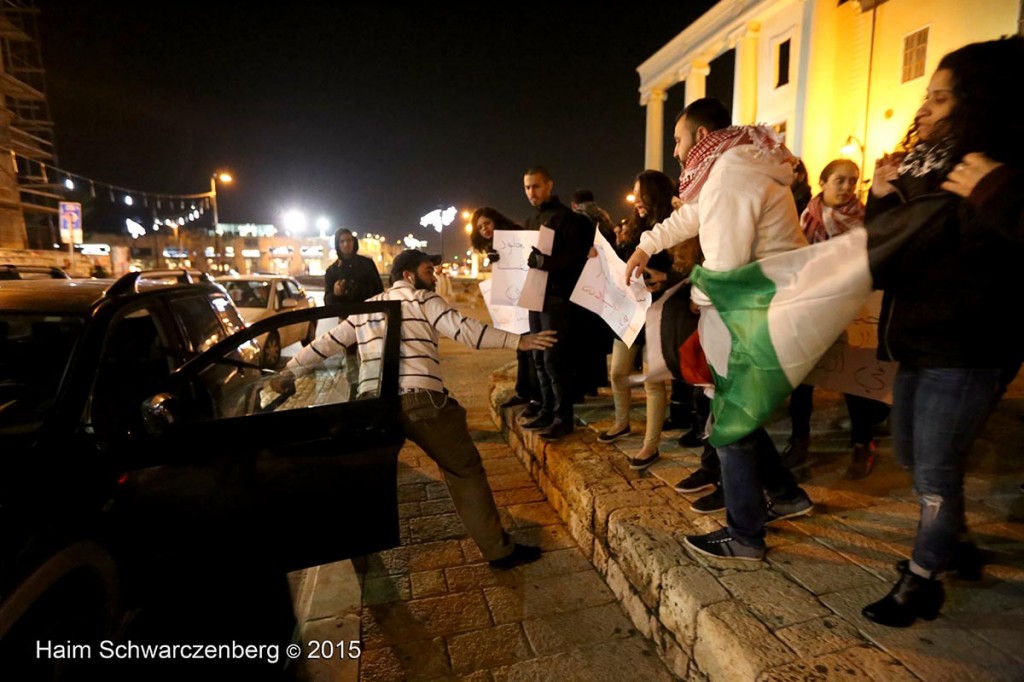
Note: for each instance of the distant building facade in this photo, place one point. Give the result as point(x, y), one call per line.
point(828, 73)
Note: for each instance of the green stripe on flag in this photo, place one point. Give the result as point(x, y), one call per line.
point(748, 390)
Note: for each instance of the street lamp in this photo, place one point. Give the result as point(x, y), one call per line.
point(226, 179)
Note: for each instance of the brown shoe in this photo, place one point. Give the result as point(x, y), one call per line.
point(863, 461)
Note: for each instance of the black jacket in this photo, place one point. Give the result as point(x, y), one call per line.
point(574, 235)
point(361, 280)
point(949, 268)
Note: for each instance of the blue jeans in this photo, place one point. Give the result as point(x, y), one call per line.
point(936, 415)
point(752, 467)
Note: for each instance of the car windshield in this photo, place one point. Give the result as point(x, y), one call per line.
point(34, 354)
point(248, 293)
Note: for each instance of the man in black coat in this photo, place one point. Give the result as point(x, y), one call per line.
point(574, 235)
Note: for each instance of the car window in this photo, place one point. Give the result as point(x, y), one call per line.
point(281, 293)
point(293, 289)
point(248, 293)
point(134, 364)
point(227, 313)
point(198, 320)
point(233, 388)
point(34, 355)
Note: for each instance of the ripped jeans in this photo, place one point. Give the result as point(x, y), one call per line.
point(936, 415)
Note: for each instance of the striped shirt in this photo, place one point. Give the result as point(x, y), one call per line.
point(425, 315)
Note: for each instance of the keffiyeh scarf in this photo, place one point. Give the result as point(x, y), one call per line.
point(820, 222)
point(925, 158)
point(704, 154)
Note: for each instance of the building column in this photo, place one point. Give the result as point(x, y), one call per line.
point(654, 143)
point(696, 78)
point(744, 89)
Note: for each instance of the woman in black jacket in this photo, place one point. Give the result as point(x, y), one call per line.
point(946, 240)
point(484, 222)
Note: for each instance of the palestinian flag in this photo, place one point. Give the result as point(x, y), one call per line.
point(772, 321)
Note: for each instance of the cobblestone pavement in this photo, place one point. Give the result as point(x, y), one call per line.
point(432, 609)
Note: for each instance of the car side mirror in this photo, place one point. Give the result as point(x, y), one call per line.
point(289, 303)
point(159, 413)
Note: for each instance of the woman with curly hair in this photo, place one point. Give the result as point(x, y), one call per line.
point(484, 222)
point(948, 211)
point(654, 192)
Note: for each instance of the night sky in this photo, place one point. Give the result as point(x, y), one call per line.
point(368, 115)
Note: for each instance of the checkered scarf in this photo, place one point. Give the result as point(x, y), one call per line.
point(705, 153)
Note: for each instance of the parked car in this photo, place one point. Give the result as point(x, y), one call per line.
point(9, 271)
point(141, 438)
point(260, 296)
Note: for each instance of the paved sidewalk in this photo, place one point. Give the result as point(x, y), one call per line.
point(795, 616)
point(432, 609)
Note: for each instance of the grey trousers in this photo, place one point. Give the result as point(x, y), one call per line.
point(437, 423)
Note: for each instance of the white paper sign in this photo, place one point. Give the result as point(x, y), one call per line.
point(601, 289)
point(851, 365)
point(532, 296)
point(508, 274)
point(505, 317)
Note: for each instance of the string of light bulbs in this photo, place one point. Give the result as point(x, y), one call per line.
point(157, 200)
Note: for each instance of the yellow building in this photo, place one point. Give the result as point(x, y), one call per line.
point(820, 70)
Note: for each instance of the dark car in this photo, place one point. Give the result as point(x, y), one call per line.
point(10, 271)
point(140, 438)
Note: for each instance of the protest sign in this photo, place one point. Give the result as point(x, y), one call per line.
point(508, 273)
point(601, 289)
point(506, 317)
point(532, 296)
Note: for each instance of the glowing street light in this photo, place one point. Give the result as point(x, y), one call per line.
point(226, 179)
point(323, 224)
point(294, 221)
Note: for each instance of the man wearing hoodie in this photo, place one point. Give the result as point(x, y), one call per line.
point(736, 197)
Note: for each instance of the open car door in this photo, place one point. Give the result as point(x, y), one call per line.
point(229, 469)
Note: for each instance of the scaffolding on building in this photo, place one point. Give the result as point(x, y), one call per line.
point(29, 197)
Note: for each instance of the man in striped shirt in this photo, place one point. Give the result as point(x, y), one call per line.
point(430, 417)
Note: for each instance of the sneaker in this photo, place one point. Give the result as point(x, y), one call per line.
point(514, 401)
point(612, 436)
point(710, 503)
point(721, 545)
point(558, 430)
point(539, 423)
point(641, 464)
point(532, 410)
point(795, 454)
point(697, 481)
point(521, 554)
point(798, 505)
point(863, 461)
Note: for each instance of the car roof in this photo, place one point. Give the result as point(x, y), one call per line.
point(52, 295)
point(68, 296)
point(252, 278)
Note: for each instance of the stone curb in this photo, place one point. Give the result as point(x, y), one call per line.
point(795, 616)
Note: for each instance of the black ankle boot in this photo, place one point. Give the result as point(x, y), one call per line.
point(911, 597)
point(967, 560)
